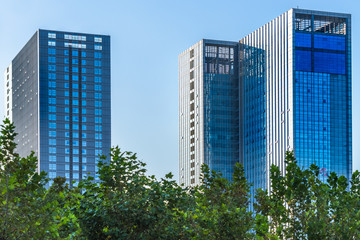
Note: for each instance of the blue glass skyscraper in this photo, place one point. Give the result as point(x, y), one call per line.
point(294, 93)
point(58, 96)
point(209, 109)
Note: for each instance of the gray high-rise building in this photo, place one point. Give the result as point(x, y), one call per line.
point(58, 96)
point(286, 86)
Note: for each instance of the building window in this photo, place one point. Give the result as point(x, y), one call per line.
point(98, 39)
point(98, 79)
point(52, 142)
point(98, 47)
point(52, 133)
point(52, 76)
point(75, 45)
point(52, 92)
point(52, 68)
point(51, 51)
point(98, 104)
point(52, 174)
point(52, 158)
point(52, 109)
point(52, 43)
point(52, 117)
point(97, 95)
point(97, 63)
point(51, 59)
point(97, 71)
point(74, 37)
point(98, 119)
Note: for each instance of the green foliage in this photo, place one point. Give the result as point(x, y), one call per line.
point(126, 203)
point(27, 209)
point(220, 210)
point(303, 207)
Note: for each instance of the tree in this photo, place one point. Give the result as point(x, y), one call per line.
point(127, 204)
point(220, 210)
point(27, 209)
point(301, 206)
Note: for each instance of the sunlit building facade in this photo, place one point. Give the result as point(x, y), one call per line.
point(294, 93)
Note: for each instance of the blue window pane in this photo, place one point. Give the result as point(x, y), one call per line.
point(303, 60)
point(51, 51)
point(329, 62)
point(329, 42)
point(303, 40)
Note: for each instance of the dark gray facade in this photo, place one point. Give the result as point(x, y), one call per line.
point(60, 101)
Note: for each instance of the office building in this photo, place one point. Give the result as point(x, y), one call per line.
point(58, 96)
point(293, 93)
point(209, 109)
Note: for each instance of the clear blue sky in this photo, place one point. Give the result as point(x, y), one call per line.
point(146, 39)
